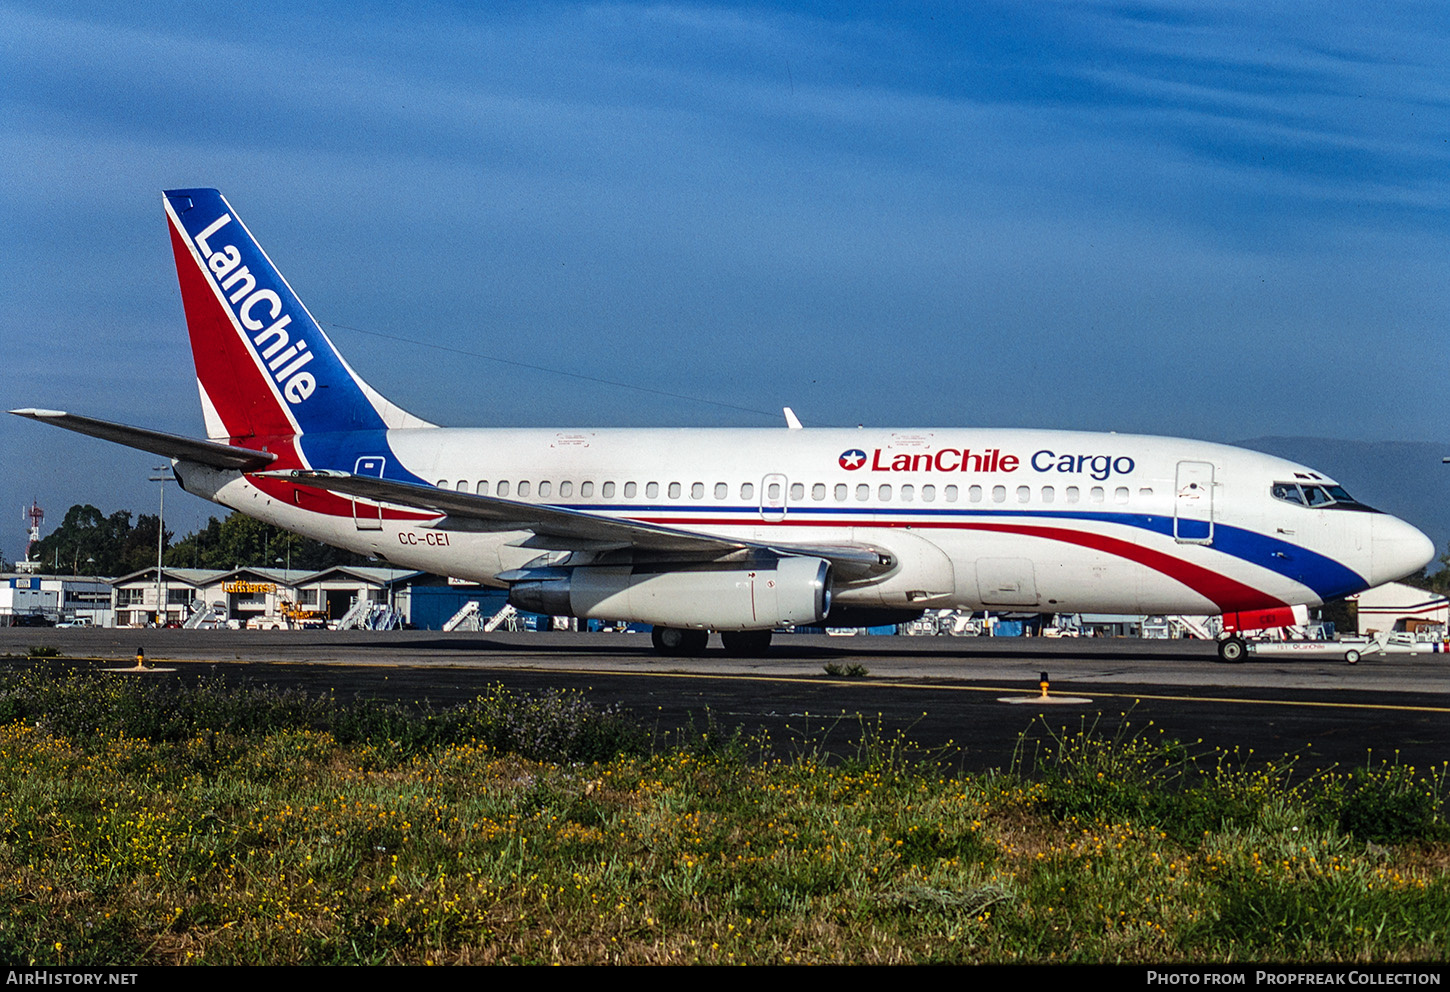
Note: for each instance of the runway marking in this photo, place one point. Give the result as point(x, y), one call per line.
point(809, 680)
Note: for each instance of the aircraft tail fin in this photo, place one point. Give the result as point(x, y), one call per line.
point(263, 365)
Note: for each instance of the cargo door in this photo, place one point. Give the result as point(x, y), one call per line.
point(1006, 582)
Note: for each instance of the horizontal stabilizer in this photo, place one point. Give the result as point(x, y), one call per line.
point(158, 443)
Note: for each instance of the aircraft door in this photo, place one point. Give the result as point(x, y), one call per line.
point(367, 515)
point(1193, 503)
point(773, 496)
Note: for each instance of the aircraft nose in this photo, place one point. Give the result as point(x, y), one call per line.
point(1397, 549)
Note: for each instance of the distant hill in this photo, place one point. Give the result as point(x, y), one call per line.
point(1405, 478)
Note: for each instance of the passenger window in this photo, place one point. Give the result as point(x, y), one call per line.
point(524, 489)
point(1071, 492)
point(797, 491)
point(630, 489)
point(773, 491)
point(975, 494)
point(908, 493)
point(1120, 495)
point(999, 494)
point(842, 491)
point(722, 491)
point(566, 489)
point(1024, 494)
point(1145, 492)
point(652, 490)
point(697, 490)
point(1095, 495)
point(607, 491)
point(928, 494)
point(462, 486)
point(503, 488)
point(674, 490)
point(863, 493)
point(586, 489)
point(482, 489)
point(884, 494)
point(1048, 494)
point(950, 494)
point(818, 491)
point(442, 483)
point(747, 491)
point(545, 489)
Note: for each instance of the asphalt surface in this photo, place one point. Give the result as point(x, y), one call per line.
point(942, 693)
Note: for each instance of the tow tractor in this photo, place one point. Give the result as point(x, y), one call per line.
point(1382, 643)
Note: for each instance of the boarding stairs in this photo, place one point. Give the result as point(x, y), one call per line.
point(205, 614)
point(1178, 627)
point(354, 616)
point(1203, 628)
point(379, 616)
point(505, 615)
point(466, 618)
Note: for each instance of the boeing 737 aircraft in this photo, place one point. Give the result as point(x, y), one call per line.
point(738, 530)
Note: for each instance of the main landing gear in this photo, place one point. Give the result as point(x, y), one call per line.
point(678, 642)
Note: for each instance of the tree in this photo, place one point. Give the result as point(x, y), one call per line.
point(89, 541)
point(241, 540)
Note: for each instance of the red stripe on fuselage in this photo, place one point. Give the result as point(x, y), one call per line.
point(321, 500)
point(1227, 594)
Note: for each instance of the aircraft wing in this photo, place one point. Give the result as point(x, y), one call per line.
point(157, 442)
point(557, 528)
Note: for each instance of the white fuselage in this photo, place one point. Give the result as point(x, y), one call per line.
point(1052, 521)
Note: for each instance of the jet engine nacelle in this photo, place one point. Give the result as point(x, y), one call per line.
point(709, 596)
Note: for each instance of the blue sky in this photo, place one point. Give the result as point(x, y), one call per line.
point(1217, 221)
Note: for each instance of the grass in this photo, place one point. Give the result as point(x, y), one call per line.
point(239, 824)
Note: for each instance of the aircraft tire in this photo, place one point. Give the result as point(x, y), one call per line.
point(1352, 656)
point(745, 643)
point(1232, 650)
point(678, 642)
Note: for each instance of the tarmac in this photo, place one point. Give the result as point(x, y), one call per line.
point(942, 693)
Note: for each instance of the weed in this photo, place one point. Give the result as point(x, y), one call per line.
point(155, 824)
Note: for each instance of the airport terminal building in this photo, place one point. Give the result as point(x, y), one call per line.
point(253, 596)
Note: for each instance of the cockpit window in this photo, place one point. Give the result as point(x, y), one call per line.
point(1287, 491)
point(1315, 496)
